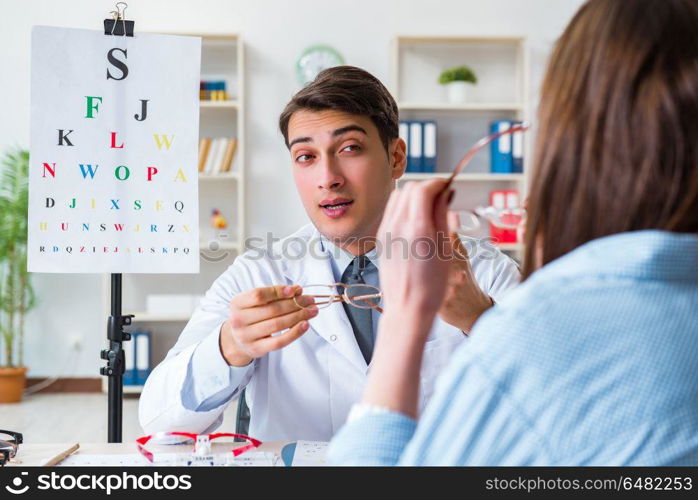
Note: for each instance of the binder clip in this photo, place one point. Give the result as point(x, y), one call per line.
point(118, 25)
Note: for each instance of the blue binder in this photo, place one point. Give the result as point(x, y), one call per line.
point(429, 147)
point(517, 150)
point(501, 161)
point(143, 356)
point(130, 376)
point(414, 154)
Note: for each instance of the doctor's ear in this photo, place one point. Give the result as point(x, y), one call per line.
point(397, 155)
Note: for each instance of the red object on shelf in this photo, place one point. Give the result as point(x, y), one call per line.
point(501, 199)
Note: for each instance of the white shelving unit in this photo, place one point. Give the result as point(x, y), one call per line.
point(218, 177)
point(222, 58)
point(233, 103)
point(160, 318)
point(215, 245)
point(502, 67)
point(445, 106)
point(128, 389)
point(465, 177)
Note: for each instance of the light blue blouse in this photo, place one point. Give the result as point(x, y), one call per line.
point(592, 361)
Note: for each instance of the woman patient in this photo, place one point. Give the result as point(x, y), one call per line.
point(593, 360)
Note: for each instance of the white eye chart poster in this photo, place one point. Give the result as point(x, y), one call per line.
point(113, 181)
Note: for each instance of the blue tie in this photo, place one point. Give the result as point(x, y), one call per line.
point(360, 319)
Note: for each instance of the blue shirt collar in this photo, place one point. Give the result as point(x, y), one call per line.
point(341, 258)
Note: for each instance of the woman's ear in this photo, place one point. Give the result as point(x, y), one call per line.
point(397, 152)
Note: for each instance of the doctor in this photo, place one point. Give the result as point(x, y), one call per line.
point(304, 368)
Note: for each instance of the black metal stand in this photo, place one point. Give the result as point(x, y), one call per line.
point(118, 26)
point(115, 360)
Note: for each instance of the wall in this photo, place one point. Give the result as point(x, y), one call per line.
point(275, 33)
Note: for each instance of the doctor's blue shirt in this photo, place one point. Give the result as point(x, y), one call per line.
point(592, 361)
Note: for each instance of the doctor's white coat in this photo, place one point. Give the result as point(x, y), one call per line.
point(305, 390)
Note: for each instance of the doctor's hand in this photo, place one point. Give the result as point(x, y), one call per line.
point(259, 313)
point(464, 302)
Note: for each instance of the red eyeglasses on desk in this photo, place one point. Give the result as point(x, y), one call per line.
point(170, 448)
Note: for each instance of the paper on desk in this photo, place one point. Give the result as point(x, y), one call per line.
point(58, 456)
point(310, 453)
point(130, 459)
point(258, 458)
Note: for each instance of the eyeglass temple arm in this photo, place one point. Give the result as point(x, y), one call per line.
point(369, 296)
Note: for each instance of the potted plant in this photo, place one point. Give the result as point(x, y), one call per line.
point(16, 293)
point(456, 80)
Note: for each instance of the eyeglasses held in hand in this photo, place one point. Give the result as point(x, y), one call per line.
point(157, 452)
point(9, 443)
point(522, 127)
point(357, 295)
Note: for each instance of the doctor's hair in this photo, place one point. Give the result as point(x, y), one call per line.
point(617, 144)
point(351, 90)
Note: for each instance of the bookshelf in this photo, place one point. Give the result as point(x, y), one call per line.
point(222, 58)
point(206, 105)
point(502, 67)
point(228, 175)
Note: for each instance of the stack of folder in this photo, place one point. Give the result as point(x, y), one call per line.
point(216, 156)
point(420, 137)
point(138, 358)
point(506, 152)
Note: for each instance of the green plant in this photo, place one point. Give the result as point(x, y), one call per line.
point(458, 74)
point(16, 293)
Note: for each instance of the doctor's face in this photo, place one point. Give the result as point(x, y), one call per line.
point(342, 171)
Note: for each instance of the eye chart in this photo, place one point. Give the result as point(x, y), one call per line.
point(113, 182)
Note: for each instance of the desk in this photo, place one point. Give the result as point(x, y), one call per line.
point(36, 454)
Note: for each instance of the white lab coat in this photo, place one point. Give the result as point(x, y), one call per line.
point(305, 390)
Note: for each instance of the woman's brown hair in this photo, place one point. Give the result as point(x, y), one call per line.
point(617, 145)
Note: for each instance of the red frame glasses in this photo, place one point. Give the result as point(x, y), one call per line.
point(149, 455)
